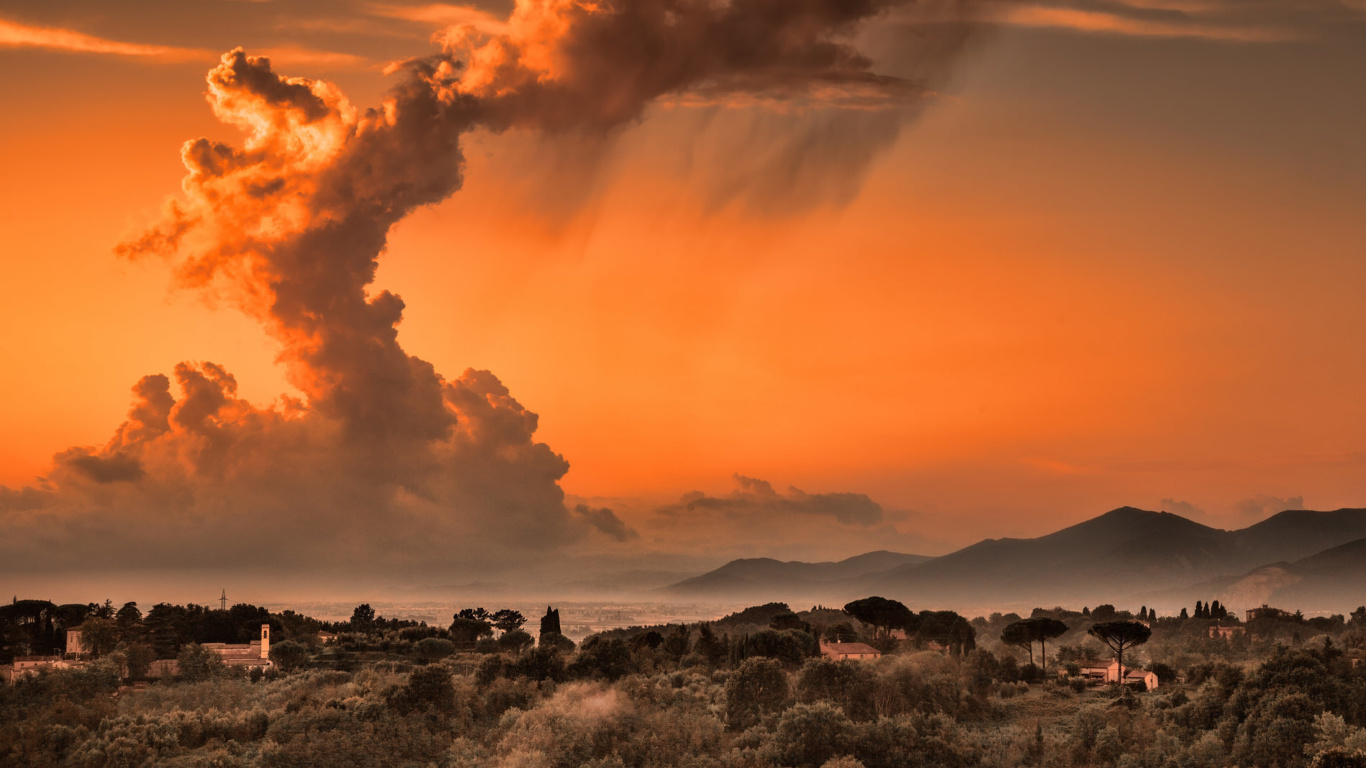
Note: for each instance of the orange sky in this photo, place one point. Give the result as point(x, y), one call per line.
point(1115, 262)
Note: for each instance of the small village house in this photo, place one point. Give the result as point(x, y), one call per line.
point(73, 643)
point(1110, 674)
point(849, 651)
point(247, 655)
point(255, 654)
point(30, 665)
point(1218, 632)
point(1266, 612)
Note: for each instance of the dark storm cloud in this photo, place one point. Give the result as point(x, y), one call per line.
point(111, 468)
point(606, 522)
point(385, 463)
point(757, 498)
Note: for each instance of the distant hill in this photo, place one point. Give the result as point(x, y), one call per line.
point(1122, 556)
point(1332, 580)
point(767, 578)
point(1128, 557)
point(1100, 560)
point(1299, 533)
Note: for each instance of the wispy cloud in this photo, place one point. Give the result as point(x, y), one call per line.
point(14, 35)
point(444, 15)
point(1103, 22)
point(1195, 7)
point(297, 56)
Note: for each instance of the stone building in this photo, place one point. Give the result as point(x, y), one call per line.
point(253, 654)
point(30, 665)
point(73, 643)
point(1220, 632)
point(1110, 674)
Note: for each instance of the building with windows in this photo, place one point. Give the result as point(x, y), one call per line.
point(1219, 632)
point(1104, 675)
point(247, 655)
point(31, 665)
point(73, 643)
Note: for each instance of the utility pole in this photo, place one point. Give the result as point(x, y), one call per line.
point(223, 601)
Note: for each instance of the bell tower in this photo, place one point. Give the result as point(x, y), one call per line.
point(265, 641)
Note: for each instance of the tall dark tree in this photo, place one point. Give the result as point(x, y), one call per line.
point(1121, 636)
point(466, 630)
point(128, 615)
point(137, 659)
point(477, 614)
point(550, 622)
point(72, 614)
point(788, 620)
point(709, 646)
point(1044, 629)
point(99, 636)
point(363, 618)
point(677, 641)
point(946, 628)
point(506, 620)
point(962, 638)
point(883, 614)
point(1019, 635)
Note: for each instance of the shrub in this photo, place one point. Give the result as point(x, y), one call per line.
point(196, 663)
point(757, 688)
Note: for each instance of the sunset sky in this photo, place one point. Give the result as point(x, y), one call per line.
point(1026, 263)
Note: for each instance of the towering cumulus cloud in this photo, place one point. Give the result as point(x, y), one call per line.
point(384, 461)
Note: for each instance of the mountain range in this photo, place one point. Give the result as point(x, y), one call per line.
point(1307, 559)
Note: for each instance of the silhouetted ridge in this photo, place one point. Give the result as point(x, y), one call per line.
point(1351, 555)
point(1127, 555)
point(767, 576)
point(1298, 533)
point(1116, 557)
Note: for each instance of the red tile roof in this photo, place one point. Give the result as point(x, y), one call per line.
point(849, 648)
